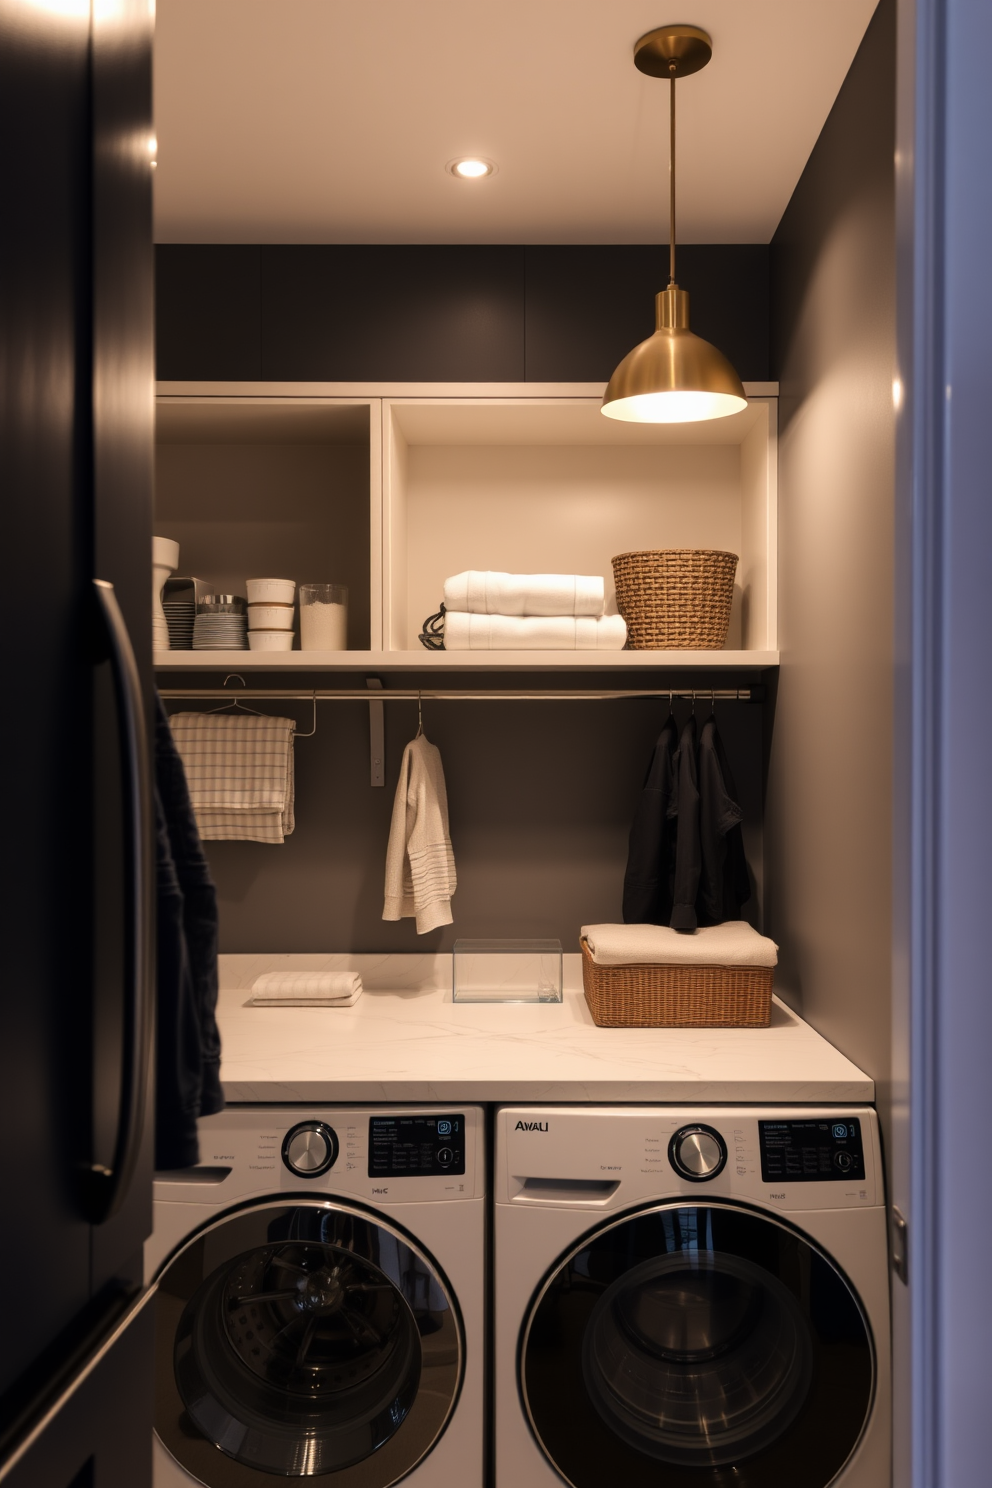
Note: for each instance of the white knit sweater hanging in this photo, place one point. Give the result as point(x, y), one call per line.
point(420, 865)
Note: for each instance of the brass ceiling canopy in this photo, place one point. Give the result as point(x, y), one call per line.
point(687, 47)
point(673, 377)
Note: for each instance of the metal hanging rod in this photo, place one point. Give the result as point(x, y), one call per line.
point(446, 695)
point(374, 694)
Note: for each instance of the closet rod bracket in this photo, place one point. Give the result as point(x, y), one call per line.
point(377, 736)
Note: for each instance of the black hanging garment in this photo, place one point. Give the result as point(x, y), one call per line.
point(188, 1048)
point(724, 880)
point(649, 882)
point(687, 846)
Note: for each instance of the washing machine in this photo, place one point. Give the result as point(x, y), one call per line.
point(690, 1297)
point(320, 1282)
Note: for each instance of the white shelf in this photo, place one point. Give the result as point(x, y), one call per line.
point(465, 661)
point(390, 488)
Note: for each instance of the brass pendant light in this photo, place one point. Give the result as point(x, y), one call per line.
point(673, 377)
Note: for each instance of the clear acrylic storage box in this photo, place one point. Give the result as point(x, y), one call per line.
point(507, 971)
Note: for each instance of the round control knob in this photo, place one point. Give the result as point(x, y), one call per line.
point(309, 1149)
point(843, 1161)
point(697, 1153)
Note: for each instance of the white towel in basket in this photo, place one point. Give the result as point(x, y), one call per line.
point(734, 943)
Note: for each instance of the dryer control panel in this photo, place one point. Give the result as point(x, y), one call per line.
point(596, 1157)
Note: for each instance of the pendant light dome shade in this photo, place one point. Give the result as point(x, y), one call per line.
point(673, 377)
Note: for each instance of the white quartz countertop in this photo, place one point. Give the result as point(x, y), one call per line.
point(405, 1040)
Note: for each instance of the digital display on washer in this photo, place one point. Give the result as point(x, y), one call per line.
point(401, 1146)
point(812, 1151)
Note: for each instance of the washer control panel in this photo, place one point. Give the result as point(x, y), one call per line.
point(416, 1144)
point(819, 1151)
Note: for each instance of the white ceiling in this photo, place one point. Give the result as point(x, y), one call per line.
point(330, 121)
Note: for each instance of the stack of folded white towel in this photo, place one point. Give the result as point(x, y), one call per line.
point(486, 611)
point(305, 989)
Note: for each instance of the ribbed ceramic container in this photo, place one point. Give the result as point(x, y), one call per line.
point(653, 996)
point(675, 599)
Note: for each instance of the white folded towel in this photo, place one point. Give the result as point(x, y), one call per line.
point(464, 632)
point(305, 989)
point(734, 943)
point(482, 592)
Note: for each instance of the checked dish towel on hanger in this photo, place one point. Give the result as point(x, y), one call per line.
point(240, 772)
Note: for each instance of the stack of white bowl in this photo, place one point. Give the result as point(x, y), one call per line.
point(270, 614)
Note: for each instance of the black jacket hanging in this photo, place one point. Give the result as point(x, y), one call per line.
point(724, 880)
point(188, 1051)
point(649, 882)
point(687, 849)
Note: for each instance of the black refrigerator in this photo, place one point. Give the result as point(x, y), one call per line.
point(76, 994)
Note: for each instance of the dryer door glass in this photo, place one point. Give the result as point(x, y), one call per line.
point(691, 1337)
point(300, 1340)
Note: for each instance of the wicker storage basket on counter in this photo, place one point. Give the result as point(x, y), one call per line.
point(675, 599)
point(659, 996)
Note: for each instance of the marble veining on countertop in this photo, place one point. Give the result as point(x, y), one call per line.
point(405, 1040)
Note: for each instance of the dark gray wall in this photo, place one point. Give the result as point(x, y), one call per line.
point(828, 820)
point(540, 798)
point(442, 313)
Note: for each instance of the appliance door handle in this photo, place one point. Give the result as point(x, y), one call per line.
point(107, 1187)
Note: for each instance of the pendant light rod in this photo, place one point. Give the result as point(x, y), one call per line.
point(673, 69)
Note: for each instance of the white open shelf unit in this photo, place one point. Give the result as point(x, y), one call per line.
point(389, 489)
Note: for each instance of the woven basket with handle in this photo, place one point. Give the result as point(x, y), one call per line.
point(657, 996)
point(675, 599)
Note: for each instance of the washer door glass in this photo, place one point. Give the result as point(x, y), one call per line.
point(300, 1340)
point(697, 1344)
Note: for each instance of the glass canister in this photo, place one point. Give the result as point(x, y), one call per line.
point(323, 617)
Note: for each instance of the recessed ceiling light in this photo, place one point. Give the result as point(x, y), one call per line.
point(471, 167)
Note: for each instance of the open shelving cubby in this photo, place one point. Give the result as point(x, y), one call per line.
point(263, 487)
point(392, 489)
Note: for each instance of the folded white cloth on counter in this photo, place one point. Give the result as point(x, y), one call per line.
point(239, 768)
point(485, 592)
point(420, 865)
point(464, 632)
point(734, 943)
point(306, 989)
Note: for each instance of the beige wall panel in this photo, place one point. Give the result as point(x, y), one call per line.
point(559, 510)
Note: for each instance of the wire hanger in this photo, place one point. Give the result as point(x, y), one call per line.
point(420, 717)
point(236, 705)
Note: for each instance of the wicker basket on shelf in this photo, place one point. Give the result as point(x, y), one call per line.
point(658, 996)
point(675, 599)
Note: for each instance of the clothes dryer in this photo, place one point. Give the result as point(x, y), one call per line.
point(694, 1297)
point(320, 1287)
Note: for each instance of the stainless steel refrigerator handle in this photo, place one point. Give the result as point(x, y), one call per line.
point(108, 1186)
